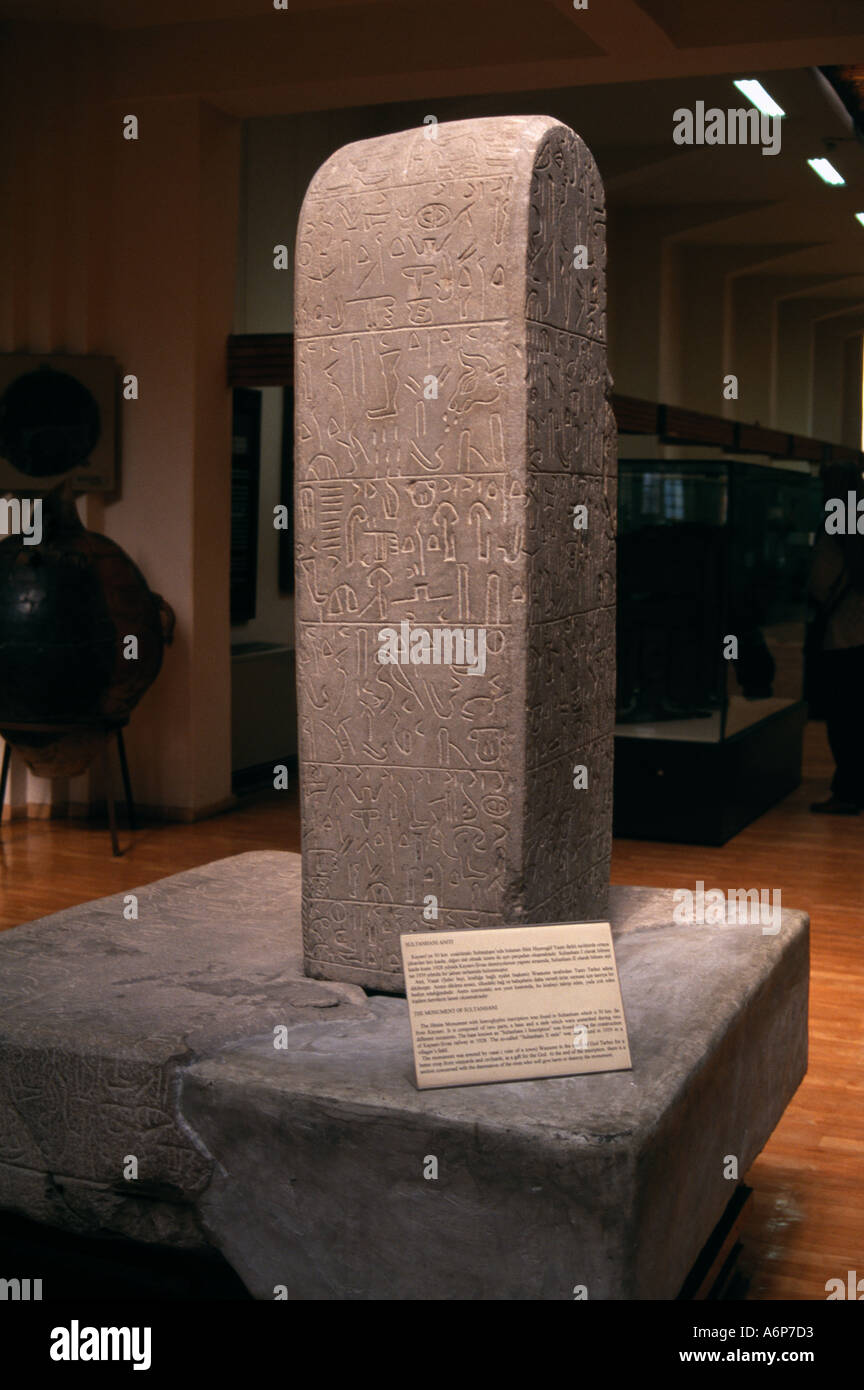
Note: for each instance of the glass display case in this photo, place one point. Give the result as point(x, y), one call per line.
point(713, 564)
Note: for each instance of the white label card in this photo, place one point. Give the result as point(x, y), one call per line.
point(514, 1002)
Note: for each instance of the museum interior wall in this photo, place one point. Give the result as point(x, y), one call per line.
point(157, 233)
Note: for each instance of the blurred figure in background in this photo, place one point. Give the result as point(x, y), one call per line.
point(835, 641)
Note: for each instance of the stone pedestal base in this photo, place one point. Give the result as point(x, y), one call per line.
point(305, 1163)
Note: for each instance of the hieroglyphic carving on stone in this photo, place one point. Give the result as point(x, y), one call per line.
point(451, 412)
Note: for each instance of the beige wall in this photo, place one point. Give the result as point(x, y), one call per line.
point(128, 248)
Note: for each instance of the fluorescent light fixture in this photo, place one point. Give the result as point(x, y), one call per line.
point(825, 169)
point(860, 217)
point(756, 93)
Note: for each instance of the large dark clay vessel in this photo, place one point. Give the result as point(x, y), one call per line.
point(67, 606)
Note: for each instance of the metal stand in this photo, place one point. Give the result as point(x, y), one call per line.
point(107, 726)
point(4, 776)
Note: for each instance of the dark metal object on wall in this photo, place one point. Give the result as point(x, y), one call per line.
point(57, 422)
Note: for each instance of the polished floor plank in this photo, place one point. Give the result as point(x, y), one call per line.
point(49, 865)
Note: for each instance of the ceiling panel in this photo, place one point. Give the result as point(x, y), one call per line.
point(698, 24)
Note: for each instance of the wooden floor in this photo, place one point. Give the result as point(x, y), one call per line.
point(806, 1219)
point(806, 1222)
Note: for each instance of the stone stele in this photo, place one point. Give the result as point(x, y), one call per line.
point(451, 416)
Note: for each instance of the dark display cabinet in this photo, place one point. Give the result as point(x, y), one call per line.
point(713, 564)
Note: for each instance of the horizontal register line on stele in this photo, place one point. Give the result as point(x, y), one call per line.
point(418, 907)
point(449, 622)
point(431, 327)
point(433, 477)
point(439, 181)
point(468, 769)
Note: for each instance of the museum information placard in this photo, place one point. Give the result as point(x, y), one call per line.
point(514, 1002)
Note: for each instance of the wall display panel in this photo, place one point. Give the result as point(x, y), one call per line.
point(713, 566)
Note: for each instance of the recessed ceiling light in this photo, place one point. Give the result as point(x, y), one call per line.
point(825, 169)
point(860, 217)
point(762, 100)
